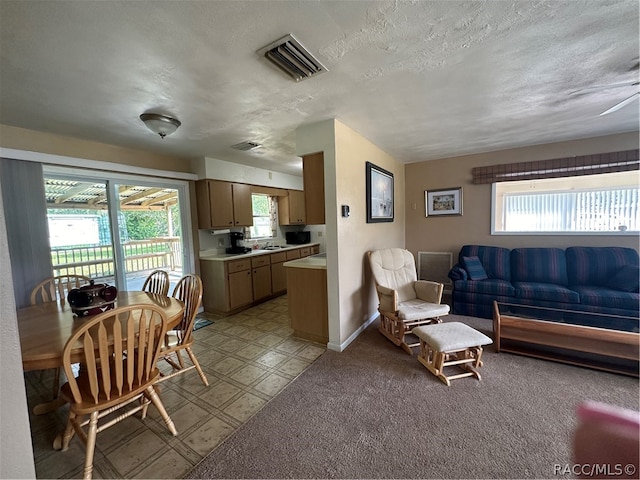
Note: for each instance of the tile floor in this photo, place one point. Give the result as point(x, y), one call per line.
point(248, 358)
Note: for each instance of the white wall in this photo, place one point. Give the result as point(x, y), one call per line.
point(16, 453)
point(234, 172)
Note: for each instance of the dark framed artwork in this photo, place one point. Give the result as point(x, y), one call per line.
point(443, 202)
point(379, 194)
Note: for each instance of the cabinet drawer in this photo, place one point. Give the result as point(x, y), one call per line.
point(278, 257)
point(305, 252)
point(260, 261)
point(238, 265)
point(293, 254)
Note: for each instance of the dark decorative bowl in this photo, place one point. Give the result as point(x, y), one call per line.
point(92, 299)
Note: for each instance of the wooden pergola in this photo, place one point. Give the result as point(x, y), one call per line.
point(93, 196)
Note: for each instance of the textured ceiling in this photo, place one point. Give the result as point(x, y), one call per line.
point(420, 79)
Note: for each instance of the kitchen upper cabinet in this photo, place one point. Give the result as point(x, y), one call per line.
point(291, 208)
point(223, 204)
point(313, 176)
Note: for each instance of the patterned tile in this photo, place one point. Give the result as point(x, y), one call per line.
point(248, 358)
point(244, 407)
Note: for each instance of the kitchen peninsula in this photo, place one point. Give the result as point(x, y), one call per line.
point(307, 297)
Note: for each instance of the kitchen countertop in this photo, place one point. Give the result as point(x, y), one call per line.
point(221, 257)
point(318, 262)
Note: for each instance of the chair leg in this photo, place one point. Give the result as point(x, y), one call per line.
point(68, 434)
point(180, 359)
point(194, 360)
point(91, 446)
point(155, 399)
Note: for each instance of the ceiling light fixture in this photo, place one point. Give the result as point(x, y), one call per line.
point(160, 124)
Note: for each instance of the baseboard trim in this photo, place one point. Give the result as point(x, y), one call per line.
point(340, 347)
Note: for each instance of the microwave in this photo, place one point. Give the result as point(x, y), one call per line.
point(298, 238)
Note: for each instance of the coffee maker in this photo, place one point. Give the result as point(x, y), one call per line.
point(236, 237)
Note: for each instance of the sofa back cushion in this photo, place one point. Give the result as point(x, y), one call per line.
point(542, 265)
point(596, 266)
point(495, 260)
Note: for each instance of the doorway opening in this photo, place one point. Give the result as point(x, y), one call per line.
point(119, 241)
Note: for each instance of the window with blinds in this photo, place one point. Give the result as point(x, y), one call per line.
point(587, 204)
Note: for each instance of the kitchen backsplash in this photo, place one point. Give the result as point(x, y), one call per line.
point(221, 241)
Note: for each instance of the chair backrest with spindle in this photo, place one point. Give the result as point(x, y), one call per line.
point(57, 288)
point(189, 290)
point(157, 282)
point(120, 351)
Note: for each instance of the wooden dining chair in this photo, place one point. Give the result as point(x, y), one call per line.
point(157, 282)
point(189, 290)
point(119, 350)
point(56, 289)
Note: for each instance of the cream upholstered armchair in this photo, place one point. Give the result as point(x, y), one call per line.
point(405, 301)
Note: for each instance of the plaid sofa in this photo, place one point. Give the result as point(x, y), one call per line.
point(593, 279)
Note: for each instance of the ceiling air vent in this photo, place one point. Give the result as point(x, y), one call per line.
point(292, 57)
point(246, 146)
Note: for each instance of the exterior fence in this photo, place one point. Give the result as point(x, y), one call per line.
point(139, 256)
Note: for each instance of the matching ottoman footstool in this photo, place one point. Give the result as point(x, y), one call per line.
point(449, 344)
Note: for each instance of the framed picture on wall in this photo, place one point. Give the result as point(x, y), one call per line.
point(379, 194)
point(443, 202)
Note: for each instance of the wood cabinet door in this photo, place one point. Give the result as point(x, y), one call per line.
point(313, 175)
point(203, 204)
point(278, 277)
point(220, 203)
point(240, 289)
point(242, 206)
point(261, 282)
point(296, 207)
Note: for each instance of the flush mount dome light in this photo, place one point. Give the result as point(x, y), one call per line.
point(160, 124)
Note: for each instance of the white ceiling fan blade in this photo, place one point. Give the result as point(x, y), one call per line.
point(618, 106)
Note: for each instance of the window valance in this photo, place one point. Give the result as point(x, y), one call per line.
point(624, 161)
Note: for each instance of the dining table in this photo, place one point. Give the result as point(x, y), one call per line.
point(45, 328)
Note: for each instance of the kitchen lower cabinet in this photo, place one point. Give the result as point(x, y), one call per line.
point(226, 285)
point(240, 289)
point(231, 285)
point(278, 273)
point(261, 277)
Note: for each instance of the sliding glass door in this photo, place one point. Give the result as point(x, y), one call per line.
point(117, 228)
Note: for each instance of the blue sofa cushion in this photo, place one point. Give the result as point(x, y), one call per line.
point(606, 297)
point(597, 265)
point(539, 265)
point(627, 279)
point(490, 286)
point(474, 268)
point(495, 260)
point(546, 292)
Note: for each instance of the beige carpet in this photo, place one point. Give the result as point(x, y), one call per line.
point(373, 411)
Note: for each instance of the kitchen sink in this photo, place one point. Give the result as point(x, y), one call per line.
point(273, 247)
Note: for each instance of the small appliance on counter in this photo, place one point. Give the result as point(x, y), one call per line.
point(235, 248)
point(298, 238)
